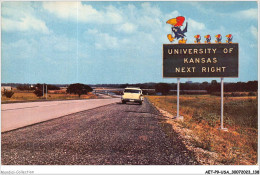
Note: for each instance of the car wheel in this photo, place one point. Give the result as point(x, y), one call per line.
point(140, 103)
point(124, 102)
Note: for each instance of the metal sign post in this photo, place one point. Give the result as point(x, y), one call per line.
point(178, 96)
point(178, 101)
point(46, 91)
point(222, 106)
point(43, 90)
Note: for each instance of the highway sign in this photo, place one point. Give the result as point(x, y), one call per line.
point(200, 60)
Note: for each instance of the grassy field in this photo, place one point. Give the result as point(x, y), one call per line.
point(30, 96)
point(237, 146)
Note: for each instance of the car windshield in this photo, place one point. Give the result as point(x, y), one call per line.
point(132, 91)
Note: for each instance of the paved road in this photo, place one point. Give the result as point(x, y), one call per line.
point(17, 115)
point(115, 134)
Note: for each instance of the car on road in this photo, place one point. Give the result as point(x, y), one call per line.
point(132, 94)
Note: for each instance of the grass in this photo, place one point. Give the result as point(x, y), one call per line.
point(30, 96)
point(201, 114)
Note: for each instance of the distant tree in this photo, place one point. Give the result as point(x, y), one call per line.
point(53, 87)
point(252, 86)
point(205, 83)
point(123, 85)
point(164, 88)
point(79, 89)
point(24, 87)
point(186, 86)
point(38, 92)
point(49, 87)
point(8, 94)
point(203, 86)
point(38, 86)
point(213, 87)
point(214, 82)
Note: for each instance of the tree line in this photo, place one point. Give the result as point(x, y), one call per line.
point(24, 87)
point(211, 88)
point(76, 88)
point(163, 88)
point(37, 89)
point(214, 86)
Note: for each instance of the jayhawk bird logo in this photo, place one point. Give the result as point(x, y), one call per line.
point(208, 38)
point(198, 38)
point(218, 38)
point(229, 38)
point(176, 29)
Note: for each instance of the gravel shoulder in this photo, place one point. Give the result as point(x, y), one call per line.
point(115, 134)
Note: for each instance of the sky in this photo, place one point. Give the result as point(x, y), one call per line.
point(114, 42)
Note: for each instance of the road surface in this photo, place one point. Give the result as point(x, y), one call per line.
point(115, 134)
point(18, 115)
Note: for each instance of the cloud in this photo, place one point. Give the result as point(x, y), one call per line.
point(173, 14)
point(111, 15)
point(150, 10)
point(52, 45)
point(253, 45)
point(194, 28)
point(22, 49)
point(16, 9)
point(249, 14)
point(83, 12)
point(148, 18)
point(200, 8)
point(92, 31)
point(253, 31)
point(194, 25)
point(17, 16)
point(24, 24)
point(102, 40)
point(106, 41)
point(127, 28)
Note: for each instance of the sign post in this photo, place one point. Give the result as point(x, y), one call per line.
point(222, 106)
point(178, 100)
point(43, 90)
point(46, 91)
point(178, 96)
